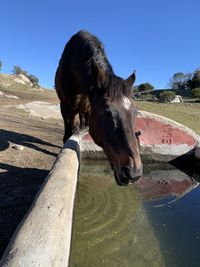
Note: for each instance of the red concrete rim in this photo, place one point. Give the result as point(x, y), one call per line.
point(156, 132)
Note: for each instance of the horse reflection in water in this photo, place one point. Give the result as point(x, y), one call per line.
point(92, 95)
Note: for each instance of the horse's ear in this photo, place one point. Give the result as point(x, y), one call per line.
point(98, 74)
point(131, 79)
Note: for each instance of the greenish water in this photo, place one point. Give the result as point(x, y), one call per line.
point(132, 226)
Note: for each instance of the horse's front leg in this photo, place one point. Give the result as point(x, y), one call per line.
point(66, 111)
point(76, 123)
point(84, 112)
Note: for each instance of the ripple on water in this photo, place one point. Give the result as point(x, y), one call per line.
point(110, 227)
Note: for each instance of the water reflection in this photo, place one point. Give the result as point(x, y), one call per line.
point(172, 203)
point(152, 223)
point(163, 184)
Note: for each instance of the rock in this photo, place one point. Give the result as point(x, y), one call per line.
point(12, 96)
point(177, 99)
point(17, 147)
point(42, 109)
point(24, 78)
point(19, 80)
point(9, 96)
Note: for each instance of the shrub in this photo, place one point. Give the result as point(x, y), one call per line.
point(32, 78)
point(196, 92)
point(167, 96)
point(145, 87)
point(17, 70)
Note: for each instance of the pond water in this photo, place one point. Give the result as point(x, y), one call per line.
point(155, 222)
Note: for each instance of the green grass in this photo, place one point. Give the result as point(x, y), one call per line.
point(186, 113)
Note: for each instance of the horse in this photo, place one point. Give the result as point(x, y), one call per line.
point(91, 95)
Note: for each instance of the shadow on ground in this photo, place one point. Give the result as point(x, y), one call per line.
point(19, 183)
point(18, 187)
point(7, 137)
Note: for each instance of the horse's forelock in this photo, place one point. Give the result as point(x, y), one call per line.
point(116, 88)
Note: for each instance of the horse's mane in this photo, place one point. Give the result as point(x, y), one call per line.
point(116, 88)
point(88, 48)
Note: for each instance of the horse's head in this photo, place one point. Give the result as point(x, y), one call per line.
point(112, 123)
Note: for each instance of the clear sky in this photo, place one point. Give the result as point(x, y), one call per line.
point(155, 37)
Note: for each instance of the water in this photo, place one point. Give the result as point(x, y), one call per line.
point(155, 222)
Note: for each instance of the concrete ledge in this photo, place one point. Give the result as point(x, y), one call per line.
point(43, 238)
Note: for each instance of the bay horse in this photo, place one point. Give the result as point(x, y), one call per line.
point(92, 95)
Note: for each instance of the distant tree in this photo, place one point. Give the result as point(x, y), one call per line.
point(34, 80)
point(145, 87)
point(196, 92)
point(17, 70)
point(195, 81)
point(167, 96)
point(180, 80)
point(1, 65)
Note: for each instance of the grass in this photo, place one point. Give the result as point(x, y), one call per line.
point(186, 113)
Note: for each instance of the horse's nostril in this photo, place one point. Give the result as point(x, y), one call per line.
point(121, 180)
point(131, 174)
point(128, 172)
point(127, 175)
point(125, 171)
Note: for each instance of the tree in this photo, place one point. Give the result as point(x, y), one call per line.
point(1, 65)
point(34, 80)
point(17, 70)
point(196, 92)
point(195, 81)
point(145, 87)
point(180, 80)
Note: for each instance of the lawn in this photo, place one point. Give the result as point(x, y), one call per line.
point(185, 113)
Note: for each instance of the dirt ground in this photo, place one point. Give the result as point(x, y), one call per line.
point(22, 172)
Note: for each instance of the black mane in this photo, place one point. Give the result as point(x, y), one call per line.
point(117, 88)
point(87, 48)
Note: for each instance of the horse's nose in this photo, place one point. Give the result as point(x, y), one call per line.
point(131, 173)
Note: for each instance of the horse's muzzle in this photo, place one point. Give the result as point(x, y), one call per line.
point(128, 175)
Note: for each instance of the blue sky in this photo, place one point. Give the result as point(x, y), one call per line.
point(155, 37)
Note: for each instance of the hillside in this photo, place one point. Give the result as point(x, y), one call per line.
point(28, 147)
point(21, 87)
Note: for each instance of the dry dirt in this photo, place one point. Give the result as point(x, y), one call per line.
point(22, 172)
